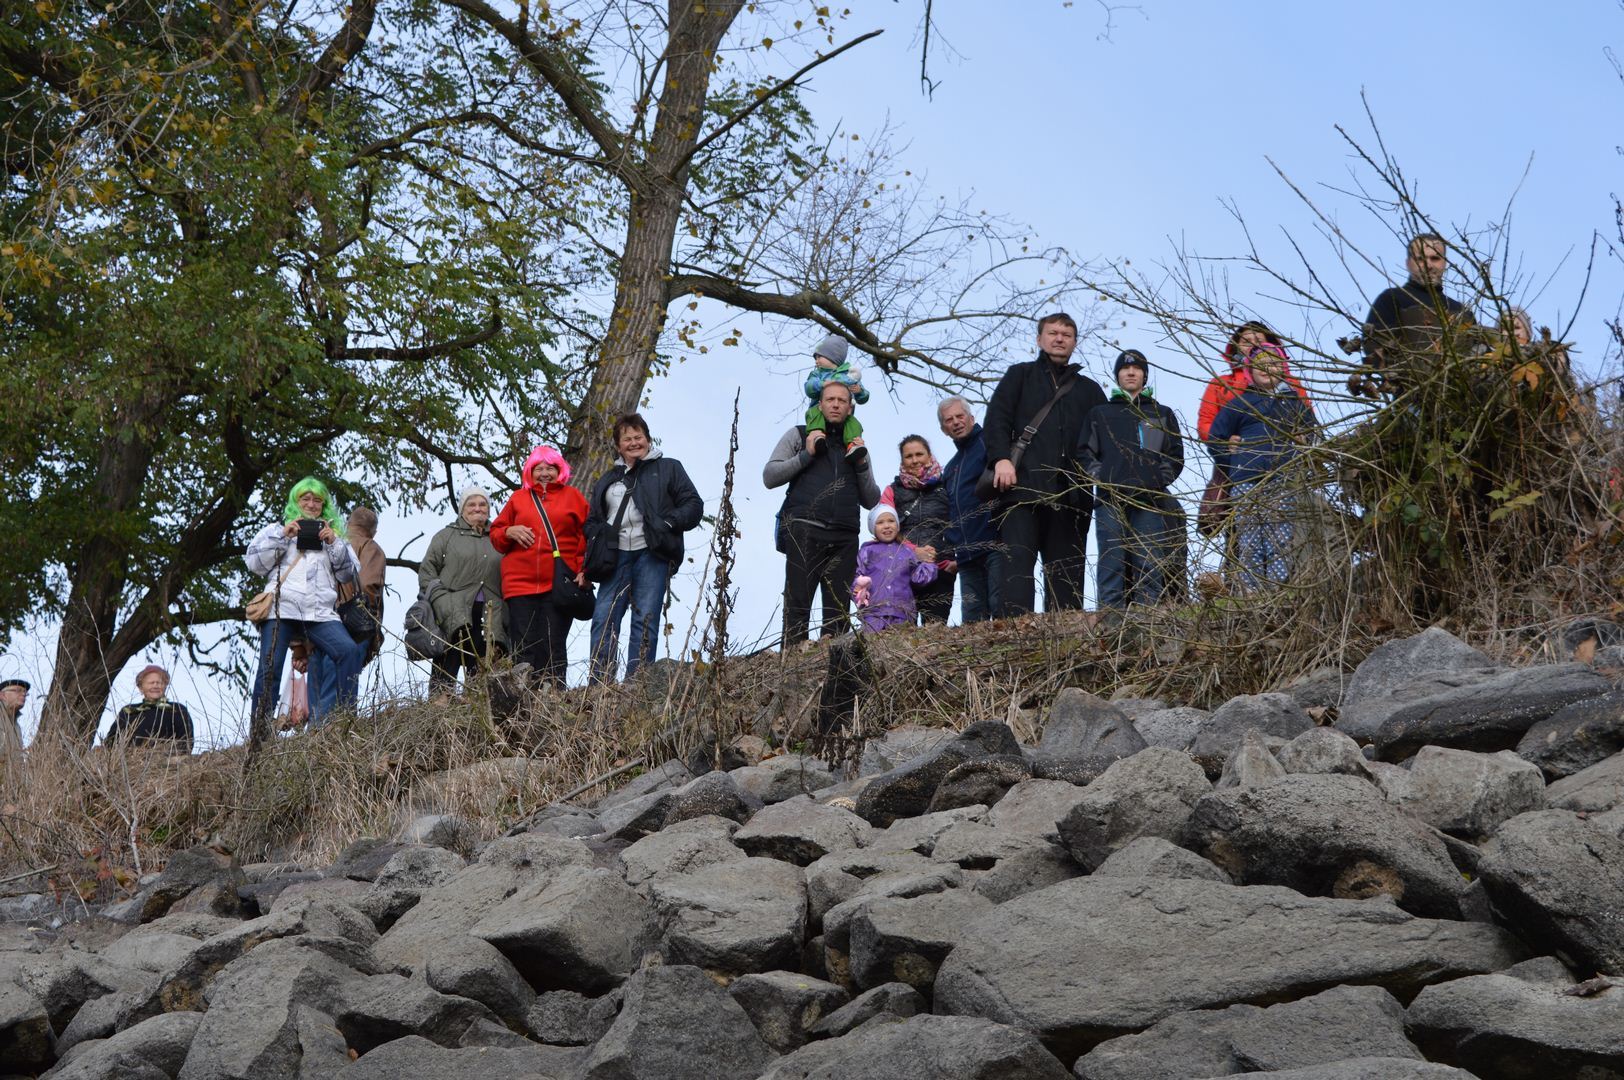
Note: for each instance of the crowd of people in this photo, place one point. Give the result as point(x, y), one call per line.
point(1053, 454)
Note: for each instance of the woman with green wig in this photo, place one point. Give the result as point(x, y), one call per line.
point(303, 559)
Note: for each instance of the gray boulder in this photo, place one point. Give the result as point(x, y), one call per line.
point(905, 939)
point(418, 867)
point(1395, 663)
point(448, 831)
point(1093, 958)
point(186, 871)
point(1079, 724)
point(1173, 729)
point(1154, 857)
point(923, 1048)
point(451, 908)
point(1576, 736)
point(1558, 880)
point(975, 845)
point(1323, 750)
point(1325, 836)
point(1220, 733)
point(1321, 688)
point(848, 875)
point(900, 745)
point(381, 1008)
point(473, 968)
point(979, 782)
point(906, 790)
point(1467, 794)
point(677, 1024)
point(259, 1021)
point(415, 1058)
point(919, 834)
point(1486, 713)
point(25, 1029)
point(801, 831)
point(1252, 763)
point(785, 1005)
point(666, 776)
point(1343, 1022)
point(688, 845)
point(580, 928)
point(733, 917)
point(1369, 1068)
point(1593, 791)
point(1034, 808)
point(784, 777)
point(1502, 1026)
point(1149, 794)
point(1029, 869)
point(156, 1047)
point(893, 1001)
point(565, 1018)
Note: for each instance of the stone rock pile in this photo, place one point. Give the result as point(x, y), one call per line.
point(1432, 885)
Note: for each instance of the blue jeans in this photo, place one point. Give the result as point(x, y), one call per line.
point(324, 684)
point(638, 584)
point(328, 638)
point(981, 588)
point(1132, 543)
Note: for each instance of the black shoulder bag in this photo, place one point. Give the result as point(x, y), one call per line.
point(573, 600)
point(603, 546)
point(986, 490)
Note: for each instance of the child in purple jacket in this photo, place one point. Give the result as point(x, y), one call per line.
point(888, 572)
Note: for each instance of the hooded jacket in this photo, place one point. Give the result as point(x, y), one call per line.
point(529, 571)
point(1225, 388)
point(465, 564)
point(1049, 466)
point(1131, 445)
point(894, 572)
point(1269, 423)
point(663, 496)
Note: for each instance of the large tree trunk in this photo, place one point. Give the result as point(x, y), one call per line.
point(85, 659)
point(641, 293)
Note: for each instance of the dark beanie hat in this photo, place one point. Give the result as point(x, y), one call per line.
point(9, 683)
point(1130, 357)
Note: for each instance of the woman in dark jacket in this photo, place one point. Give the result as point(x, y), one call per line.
point(154, 720)
point(468, 602)
point(648, 530)
point(923, 513)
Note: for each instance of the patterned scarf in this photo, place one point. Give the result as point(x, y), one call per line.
point(929, 478)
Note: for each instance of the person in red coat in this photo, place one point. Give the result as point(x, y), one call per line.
point(538, 630)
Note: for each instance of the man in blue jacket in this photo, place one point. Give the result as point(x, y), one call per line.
point(1132, 451)
point(977, 555)
point(1255, 436)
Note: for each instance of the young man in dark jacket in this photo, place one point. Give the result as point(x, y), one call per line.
point(977, 555)
point(1255, 436)
point(1131, 449)
point(1407, 322)
point(1044, 504)
point(828, 491)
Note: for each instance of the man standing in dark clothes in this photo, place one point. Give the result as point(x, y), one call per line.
point(829, 488)
point(976, 553)
point(1044, 504)
point(1409, 319)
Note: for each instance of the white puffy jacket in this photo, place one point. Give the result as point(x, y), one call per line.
point(310, 593)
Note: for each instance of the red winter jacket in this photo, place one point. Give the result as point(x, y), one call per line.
point(528, 571)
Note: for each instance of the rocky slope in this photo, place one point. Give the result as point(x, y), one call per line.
point(1432, 886)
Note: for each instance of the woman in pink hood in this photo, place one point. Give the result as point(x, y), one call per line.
point(537, 628)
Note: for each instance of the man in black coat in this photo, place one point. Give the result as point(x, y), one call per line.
point(1132, 450)
point(1044, 504)
point(1407, 322)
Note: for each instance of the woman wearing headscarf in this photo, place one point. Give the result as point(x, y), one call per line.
point(536, 625)
point(154, 720)
point(304, 593)
point(649, 502)
point(923, 514)
point(469, 597)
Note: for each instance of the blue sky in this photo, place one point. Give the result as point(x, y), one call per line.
point(1133, 148)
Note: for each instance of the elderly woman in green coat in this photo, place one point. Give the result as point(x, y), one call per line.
point(468, 599)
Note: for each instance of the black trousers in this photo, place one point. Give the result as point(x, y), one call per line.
point(935, 601)
point(819, 558)
point(467, 653)
point(1059, 535)
point(539, 632)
